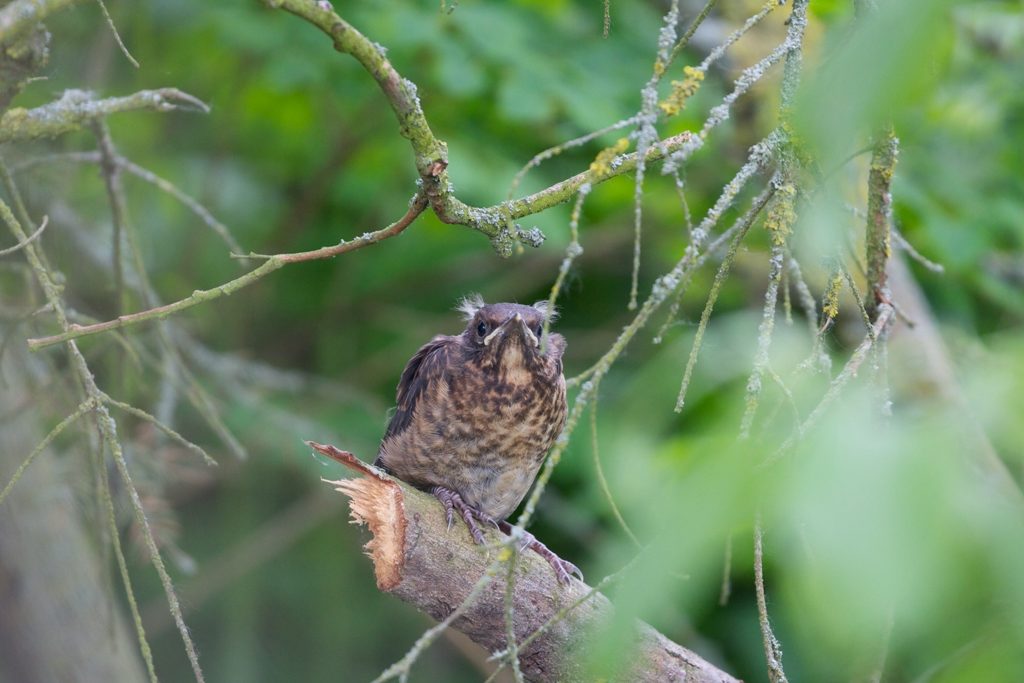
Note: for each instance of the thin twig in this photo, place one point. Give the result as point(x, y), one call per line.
point(725, 590)
point(510, 630)
point(106, 424)
point(913, 253)
point(111, 173)
point(28, 240)
point(194, 206)
point(716, 286)
point(646, 135)
point(82, 409)
point(764, 339)
point(551, 152)
point(571, 253)
point(885, 314)
point(143, 415)
point(271, 264)
point(858, 296)
point(122, 566)
point(400, 669)
point(144, 174)
point(117, 36)
point(664, 287)
point(560, 615)
point(772, 648)
point(733, 37)
point(603, 481)
point(694, 25)
point(878, 237)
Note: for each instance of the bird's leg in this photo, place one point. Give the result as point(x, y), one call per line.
point(453, 503)
point(563, 568)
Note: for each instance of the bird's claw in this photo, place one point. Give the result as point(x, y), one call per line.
point(563, 568)
point(446, 496)
point(453, 503)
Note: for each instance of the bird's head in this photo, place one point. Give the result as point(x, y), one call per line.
point(510, 335)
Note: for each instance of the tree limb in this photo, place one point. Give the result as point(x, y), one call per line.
point(431, 153)
point(878, 234)
point(76, 108)
point(21, 15)
point(418, 559)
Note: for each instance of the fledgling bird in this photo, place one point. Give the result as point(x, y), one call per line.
point(476, 414)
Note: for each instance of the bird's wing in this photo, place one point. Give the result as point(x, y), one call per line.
point(425, 368)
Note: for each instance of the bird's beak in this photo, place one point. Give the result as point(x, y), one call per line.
point(515, 324)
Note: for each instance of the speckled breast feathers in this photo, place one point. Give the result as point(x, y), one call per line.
point(477, 412)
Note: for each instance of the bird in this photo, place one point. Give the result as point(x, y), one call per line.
point(476, 414)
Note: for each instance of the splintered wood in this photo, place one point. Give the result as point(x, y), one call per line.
point(377, 503)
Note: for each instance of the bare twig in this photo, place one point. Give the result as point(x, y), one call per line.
point(122, 566)
point(28, 240)
point(716, 285)
point(571, 253)
point(82, 409)
point(143, 415)
point(772, 648)
point(646, 134)
point(512, 644)
point(882, 320)
point(77, 108)
point(551, 152)
point(271, 264)
point(603, 481)
point(117, 36)
point(111, 173)
point(913, 253)
point(725, 589)
point(694, 25)
point(106, 425)
point(144, 174)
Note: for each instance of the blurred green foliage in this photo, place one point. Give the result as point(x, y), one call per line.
point(875, 525)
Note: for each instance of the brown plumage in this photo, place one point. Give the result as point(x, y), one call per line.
point(476, 414)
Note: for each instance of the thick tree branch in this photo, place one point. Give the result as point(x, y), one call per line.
point(19, 16)
point(77, 108)
point(418, 559)
point(431, 154)
point(878, 235)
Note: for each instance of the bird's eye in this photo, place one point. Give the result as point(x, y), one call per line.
point(539, 331)
point(481, 329)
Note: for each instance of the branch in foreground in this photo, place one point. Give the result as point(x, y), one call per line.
point(76, 108)
point(418, 559)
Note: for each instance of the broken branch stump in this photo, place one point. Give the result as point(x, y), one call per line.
point(417, 558)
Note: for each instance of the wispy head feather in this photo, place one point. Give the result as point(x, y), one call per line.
point(469, 305)
point(549, 312)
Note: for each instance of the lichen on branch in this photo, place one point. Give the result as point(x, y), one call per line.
point(76, 108)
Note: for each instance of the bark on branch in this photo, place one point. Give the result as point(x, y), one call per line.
point(418, 559)
point(19, 16)
point(77, 108)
